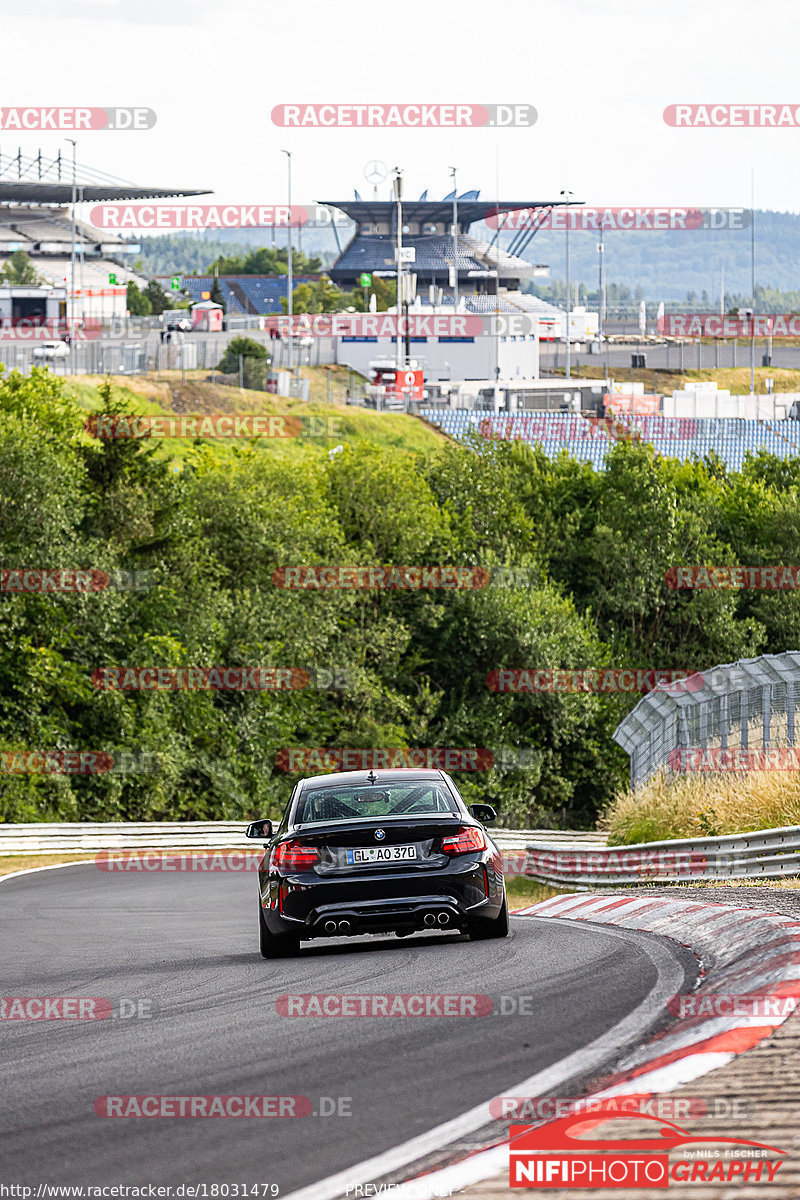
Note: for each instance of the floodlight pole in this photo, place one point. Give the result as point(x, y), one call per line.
point(753, 283)
point(567, 196)
point(455, 240)
point(398, 195)
point(600, 304)
point(289, 286)
point(71, 321)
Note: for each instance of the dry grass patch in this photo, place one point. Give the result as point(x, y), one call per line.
point(691, 806)
point(25, 862)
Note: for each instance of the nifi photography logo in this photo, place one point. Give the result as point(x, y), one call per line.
point(563, 1154)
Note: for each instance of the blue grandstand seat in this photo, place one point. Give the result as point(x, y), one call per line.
point(731, 439)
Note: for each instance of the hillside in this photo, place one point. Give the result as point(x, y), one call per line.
point(330, 425)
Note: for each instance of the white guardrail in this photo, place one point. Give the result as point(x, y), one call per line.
point(87, 837)
point(763, 854)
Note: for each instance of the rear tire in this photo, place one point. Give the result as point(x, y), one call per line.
point(275, 945)
point(482, 929)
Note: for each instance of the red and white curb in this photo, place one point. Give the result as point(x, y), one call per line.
point(742, 951)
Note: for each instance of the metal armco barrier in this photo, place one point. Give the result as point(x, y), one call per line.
point(85, 837)
point(763, 854)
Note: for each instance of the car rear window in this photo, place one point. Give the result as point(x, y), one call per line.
point(368, 801)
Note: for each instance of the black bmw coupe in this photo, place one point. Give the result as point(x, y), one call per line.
point(394, 851)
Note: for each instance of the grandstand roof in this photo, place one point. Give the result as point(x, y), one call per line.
point(436, 210)
point(47, 179)
point(23, 191)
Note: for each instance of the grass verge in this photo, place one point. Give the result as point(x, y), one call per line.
point(523, 891)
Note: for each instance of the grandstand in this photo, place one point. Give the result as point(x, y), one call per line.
point(427, 228)
point(489, 278)
point(588, 440)
point(36, 217)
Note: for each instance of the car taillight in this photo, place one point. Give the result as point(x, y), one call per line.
point(293, 856)
point(465, 841)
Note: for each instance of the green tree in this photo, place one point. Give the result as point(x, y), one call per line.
point(384, 291)
point(267, 260)
point(138, 302)
point(216, 294)
point(244, 346)
point(318, 297)
point(159, 300)
point(19, 271)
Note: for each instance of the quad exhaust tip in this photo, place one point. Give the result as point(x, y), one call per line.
point(429, 919)
point(344, 927)
point(330, 927)
point(443, 918)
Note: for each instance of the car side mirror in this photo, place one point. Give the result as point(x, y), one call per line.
point(483, 813)
point(260, 830)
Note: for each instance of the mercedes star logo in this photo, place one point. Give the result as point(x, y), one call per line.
point(375, 171)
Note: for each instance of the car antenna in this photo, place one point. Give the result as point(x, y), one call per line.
point(372, 777)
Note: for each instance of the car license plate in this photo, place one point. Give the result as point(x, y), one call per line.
point(380, 854)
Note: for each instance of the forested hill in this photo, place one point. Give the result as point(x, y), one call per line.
point(666, 265)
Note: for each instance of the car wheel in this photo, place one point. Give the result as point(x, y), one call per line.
point(480, 929)
point(275, 945)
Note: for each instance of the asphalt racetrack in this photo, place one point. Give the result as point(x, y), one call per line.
point(186, 946)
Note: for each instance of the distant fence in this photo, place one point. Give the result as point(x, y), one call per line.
point(137, 354)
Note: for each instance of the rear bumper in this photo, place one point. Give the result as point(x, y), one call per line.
point(348, 907)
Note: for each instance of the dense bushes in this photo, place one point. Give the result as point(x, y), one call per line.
point(416, 661)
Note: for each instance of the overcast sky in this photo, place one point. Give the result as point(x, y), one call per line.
point(599, 72)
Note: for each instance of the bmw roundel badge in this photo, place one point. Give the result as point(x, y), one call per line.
point(380, 834)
